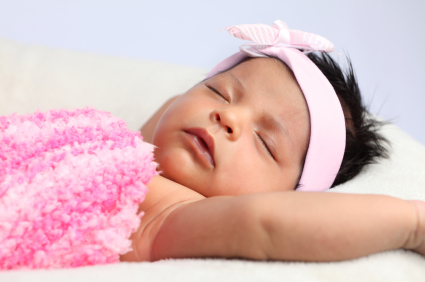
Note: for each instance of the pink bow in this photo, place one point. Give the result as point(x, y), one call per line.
point(279, 35)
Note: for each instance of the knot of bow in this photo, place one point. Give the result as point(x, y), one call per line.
point(279, 34)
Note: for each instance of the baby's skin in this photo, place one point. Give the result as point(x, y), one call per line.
point(230, 151)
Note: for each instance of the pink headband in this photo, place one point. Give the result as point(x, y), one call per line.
point(327, 136)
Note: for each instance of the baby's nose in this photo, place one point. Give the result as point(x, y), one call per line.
point(232, 120)
point(218, 118)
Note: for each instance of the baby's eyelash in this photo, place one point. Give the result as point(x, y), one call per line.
point(215, 91)
point(265, 145)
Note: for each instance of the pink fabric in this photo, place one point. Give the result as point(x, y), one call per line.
point(327, 136)
point(279, 35)
point(70, 186)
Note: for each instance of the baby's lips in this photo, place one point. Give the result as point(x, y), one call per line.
point(206, 137)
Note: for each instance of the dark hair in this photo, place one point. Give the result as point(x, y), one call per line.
point(364, 145)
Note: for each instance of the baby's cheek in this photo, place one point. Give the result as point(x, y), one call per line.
point(176, 164)
point(247, 177)
point(172, 163)
point(235, 179)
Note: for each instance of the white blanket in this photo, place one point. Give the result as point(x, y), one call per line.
point(34, 78)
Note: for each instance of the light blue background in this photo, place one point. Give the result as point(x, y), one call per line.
point(385, 39)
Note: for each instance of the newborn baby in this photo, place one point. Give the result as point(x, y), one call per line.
point(233, 149)
point(243, 158)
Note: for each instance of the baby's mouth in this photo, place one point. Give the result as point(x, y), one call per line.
point(203, 143)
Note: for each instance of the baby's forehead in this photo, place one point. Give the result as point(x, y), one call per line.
point(265, 66)
point(267, 76)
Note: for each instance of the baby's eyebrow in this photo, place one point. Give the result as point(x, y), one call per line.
point(269, 122)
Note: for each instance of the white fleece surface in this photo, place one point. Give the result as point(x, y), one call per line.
point(33, 77)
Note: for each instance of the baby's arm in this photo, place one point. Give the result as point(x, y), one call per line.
point(303, 226)
point(283, 226)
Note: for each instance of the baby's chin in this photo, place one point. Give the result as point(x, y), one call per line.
point(178, 171)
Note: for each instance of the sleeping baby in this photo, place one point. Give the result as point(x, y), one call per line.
point(244, 154)
point(243, 159)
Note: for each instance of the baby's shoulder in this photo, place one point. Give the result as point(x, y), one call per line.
point(163, 197)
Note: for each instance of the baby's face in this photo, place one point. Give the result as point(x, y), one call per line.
point(240, 132)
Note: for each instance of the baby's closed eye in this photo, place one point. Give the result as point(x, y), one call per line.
point(217, 92)
point(264, 144)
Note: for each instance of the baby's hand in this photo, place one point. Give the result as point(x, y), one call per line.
point(417, 240)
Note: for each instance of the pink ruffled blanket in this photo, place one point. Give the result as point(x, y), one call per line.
point(70, 186)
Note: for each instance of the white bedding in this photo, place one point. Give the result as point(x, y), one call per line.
point(33, 77)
